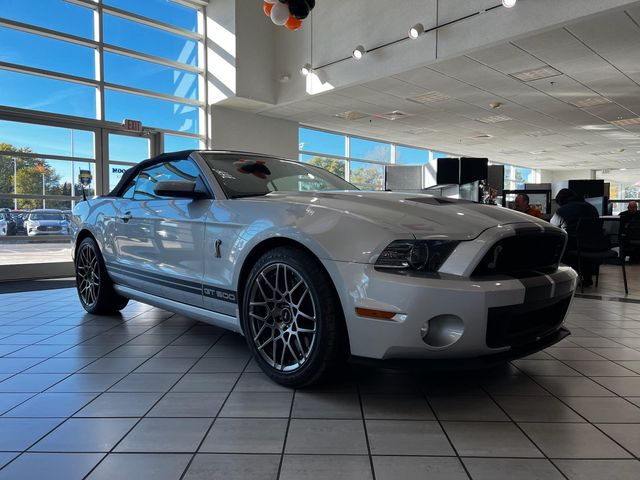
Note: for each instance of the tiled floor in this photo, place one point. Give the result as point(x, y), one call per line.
point(156, 395)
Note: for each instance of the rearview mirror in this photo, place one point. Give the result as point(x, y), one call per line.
point(179, 189)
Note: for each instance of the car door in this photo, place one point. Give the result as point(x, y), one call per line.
point(159, 244)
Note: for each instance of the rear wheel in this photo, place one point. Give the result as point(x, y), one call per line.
point(95, 288)
point(292, 318)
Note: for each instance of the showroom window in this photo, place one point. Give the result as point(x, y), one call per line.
point(358, 160)
point(71, 71)
point(106, 60)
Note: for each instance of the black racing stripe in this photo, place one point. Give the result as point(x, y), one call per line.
point(146, 278)
point(157, 276)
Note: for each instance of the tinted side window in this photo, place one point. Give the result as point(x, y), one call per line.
point(162, 172)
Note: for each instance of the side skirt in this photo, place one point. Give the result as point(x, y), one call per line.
point(214, 318)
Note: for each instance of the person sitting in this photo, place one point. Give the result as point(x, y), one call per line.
point(522, 205)
point(571, 209)
point(631, 213)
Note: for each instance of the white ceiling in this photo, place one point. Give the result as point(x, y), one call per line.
point(597, 58)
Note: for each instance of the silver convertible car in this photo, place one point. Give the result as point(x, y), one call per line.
point(313, 271)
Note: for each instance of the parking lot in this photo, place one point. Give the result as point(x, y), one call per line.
point(21, 253)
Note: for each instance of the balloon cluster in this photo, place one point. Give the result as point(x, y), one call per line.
point(289, 13)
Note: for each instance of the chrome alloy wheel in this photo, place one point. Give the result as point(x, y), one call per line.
point(88, 275)
point(282, 317)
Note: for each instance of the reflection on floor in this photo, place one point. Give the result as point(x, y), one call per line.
point(156, 395)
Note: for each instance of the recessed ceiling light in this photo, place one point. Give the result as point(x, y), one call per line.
point(351, 115)
point(536, 74)
point(430, 97)
point(509, 3)
point(597, 127)
point(494, 119)
point(591, 102)
point(626, 122)
point(537, 152)
point(358, 52)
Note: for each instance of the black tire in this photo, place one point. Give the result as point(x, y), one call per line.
point(294, 357)
point(95, 287)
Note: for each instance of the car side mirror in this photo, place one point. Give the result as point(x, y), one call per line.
point(179, 189)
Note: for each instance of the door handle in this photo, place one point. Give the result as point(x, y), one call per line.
point(126, 217)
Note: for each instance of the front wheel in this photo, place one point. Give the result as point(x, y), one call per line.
point(291, 318)
point(95, 288)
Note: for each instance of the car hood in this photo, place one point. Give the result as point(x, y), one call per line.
point(424, 216)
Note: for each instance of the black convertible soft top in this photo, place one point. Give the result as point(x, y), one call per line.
point(133, 171)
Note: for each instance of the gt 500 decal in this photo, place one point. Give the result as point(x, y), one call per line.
point(219, 294)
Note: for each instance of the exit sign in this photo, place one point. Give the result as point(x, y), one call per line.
point(134, 125)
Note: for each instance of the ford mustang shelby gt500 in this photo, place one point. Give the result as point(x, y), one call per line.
point(311, 270)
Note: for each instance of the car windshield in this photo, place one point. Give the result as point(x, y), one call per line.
point(46, 216)
point(248, 176)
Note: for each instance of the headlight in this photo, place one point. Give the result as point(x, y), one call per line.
point(417, 255)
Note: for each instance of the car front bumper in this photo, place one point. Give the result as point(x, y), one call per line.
point(465, 318)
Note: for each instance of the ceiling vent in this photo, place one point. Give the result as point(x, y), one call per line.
point(575, 145)
point(482, 136)
point(429, 97)
point(494, 119)
point(591, 102)
point(421, 131)
point(536, 74)
point(511, 152)
point(625, 122)
point(351, 115)
point(537, 152)
point(539, 133)
point(395, 115)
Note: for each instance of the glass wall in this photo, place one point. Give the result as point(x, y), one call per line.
point(70, 72)
point(105, 60)
point(359, 160)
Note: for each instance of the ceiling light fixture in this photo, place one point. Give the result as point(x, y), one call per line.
point(358, 52)
point(509, 3)
point(536, 74)
point(306, 69)
point(416, 31)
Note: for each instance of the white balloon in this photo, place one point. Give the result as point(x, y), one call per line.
point(279, 13)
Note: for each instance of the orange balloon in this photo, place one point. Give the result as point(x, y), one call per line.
point(293, 23)
point(267, 8)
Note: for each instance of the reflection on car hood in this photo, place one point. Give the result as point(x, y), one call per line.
point(424, 216)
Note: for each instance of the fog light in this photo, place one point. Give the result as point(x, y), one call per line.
point(442, 331)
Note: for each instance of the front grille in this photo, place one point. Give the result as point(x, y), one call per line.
point(518, 325)
point(522, 253)
point(49, 229)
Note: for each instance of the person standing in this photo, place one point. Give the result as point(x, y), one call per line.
point(571, 209)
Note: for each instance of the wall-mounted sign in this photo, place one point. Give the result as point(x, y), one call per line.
point(133, 125)
point(85, 177)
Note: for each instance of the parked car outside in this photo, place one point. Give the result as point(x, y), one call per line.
point(7, 225)
point(46, 222)
point(312, 270)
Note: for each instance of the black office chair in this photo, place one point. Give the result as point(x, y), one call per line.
point(591, 243)
point(630, 239)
